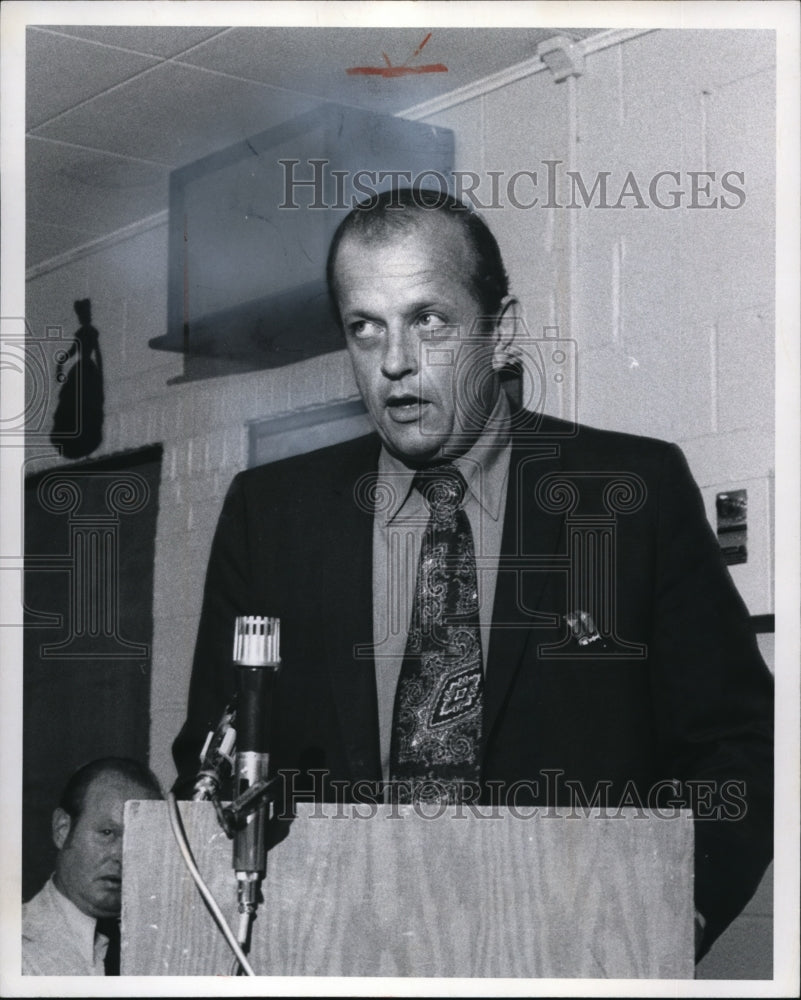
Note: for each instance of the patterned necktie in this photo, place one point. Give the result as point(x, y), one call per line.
point(110, 927)
point(436, 728)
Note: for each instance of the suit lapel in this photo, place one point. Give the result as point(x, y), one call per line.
point(527, 532)
point(348, 612)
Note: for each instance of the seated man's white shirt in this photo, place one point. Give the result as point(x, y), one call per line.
point(58, 939)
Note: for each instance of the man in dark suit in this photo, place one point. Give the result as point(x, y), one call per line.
point(608, 658)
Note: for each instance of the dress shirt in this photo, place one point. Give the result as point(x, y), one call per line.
point(400, 520)
point(58, 939)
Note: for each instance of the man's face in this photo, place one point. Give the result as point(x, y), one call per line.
point(89, 862)
point(422, 365)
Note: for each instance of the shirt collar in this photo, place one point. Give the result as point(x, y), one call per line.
point(484, 467)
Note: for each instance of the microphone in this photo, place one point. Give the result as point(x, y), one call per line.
point(257, 659)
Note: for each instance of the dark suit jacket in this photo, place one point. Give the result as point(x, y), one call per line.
point(675, 689)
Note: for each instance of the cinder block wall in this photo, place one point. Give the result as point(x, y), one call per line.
point(671, 312)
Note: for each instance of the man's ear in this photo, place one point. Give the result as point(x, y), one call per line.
point(507, 326)
point(60, 826)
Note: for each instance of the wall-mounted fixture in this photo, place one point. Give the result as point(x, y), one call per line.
point(562, 56)
point(732, 525)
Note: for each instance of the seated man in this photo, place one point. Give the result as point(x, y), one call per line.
point(484, 604)
point(71, 927)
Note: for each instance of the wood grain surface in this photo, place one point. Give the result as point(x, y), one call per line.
point(385, 891)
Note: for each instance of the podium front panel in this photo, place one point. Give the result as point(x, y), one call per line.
point(420, 891)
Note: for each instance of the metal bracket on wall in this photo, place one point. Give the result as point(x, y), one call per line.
point(562, 56)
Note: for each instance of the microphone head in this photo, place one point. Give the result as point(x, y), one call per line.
point(257, 641)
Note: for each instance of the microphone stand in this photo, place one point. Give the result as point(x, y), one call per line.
point(239, 748)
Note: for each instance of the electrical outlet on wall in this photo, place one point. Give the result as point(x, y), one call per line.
point(741, 516)
point(731, 525)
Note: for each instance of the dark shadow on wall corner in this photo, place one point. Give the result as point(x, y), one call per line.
point(78, 420)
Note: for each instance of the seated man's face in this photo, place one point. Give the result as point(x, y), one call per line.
point(89, 862)
point(409, 314)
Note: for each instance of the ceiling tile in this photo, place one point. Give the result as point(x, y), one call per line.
point(43, 241)
point(62, 72)
point(175, 114)
point(316, 60)
point(90, 191)
point(154, 41)
point(126, 116)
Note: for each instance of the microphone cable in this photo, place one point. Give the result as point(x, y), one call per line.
point(186, 853)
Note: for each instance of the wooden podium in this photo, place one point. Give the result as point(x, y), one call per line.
point(393, 891)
